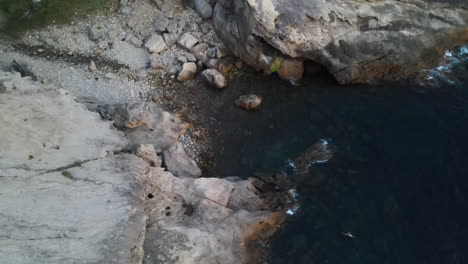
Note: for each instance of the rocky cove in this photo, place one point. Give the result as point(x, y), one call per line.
point(124, 138)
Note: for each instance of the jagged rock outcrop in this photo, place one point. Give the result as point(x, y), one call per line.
point(69, 193)
point(357, 41)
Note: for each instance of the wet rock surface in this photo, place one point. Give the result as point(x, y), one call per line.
point(249, 102)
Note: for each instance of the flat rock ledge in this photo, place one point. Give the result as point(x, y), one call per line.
point(70, 194)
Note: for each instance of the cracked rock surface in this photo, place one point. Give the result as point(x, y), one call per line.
point(69, 193)
point(357, 41)
point(64, 197)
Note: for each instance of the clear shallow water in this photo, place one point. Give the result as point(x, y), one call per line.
point(396, 190)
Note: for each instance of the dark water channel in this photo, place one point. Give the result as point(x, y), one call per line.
point(396, 190)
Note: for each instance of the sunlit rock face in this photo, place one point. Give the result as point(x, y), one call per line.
point(357, 41)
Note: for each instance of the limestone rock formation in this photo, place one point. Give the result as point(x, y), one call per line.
point(69, 194)
point(357, 41)
point(65, 197)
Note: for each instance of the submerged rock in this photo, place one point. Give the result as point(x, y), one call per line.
point(249, 102)
point(357, 41)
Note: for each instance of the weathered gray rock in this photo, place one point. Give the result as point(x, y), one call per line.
point(92, 67)
point(202, 47)
point(97, 32)
point(125, 10)
point(187, 41)
point(190, 217)
point(135, 41)
point(188, 72)
point(170, 39)
point(218, 53)
point(202, 8)
point(177, 162)
point(160, 23)
point(156, 44)
point(148, 153)
point(214, 78)
point(182, 59)
point(64, 199)
point(173, 67)
point(190, 57)
point(358, 41)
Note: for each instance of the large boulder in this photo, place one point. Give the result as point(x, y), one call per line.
point(357, 41)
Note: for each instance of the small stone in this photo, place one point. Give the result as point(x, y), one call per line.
point(249, 102)
point(125, 10)
point(202, 47)
point(179, 163)
point(203, 9)
point(92, 66)
point(214, 78)
point(212, 63)
point(218, 53)
point(135, 41)
point(190, 57)
point(173, 28)
point(110, 75)
point(160, 23)
point(70, 53)
point(291, 70)
point(96, 32)
point(155, 98)
point(40, 50)
point(189, 69)
point(200, 65)
point(187, 41)
point(170, 39)
point(182, 59)
point(205, 28)
point(156, 44)
point(225, 65)
point(173, 67)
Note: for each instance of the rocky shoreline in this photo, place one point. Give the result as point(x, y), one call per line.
point(128, 191)
point(89, 193)
point(106, 149)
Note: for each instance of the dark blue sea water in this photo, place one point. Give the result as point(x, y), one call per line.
point(396, 190)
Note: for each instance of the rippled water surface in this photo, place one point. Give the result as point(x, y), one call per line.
point(396, 190)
